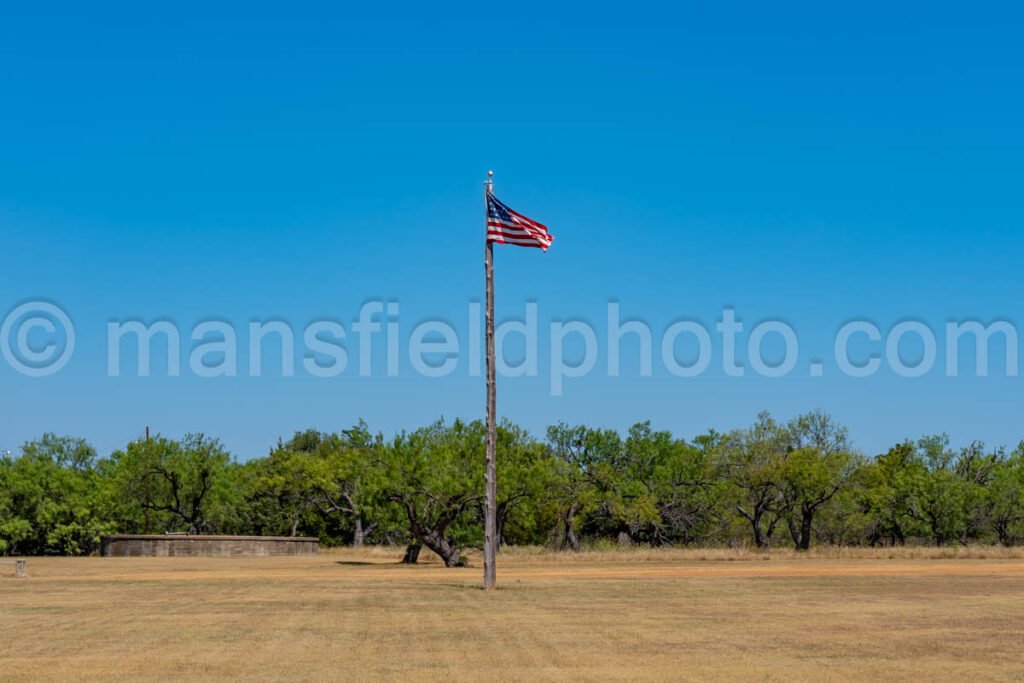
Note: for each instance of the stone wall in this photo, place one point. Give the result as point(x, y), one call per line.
point(138, 545)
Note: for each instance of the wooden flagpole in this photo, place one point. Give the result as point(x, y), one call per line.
point(491, 471)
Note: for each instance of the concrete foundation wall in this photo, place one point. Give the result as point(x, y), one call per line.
point(137, 545)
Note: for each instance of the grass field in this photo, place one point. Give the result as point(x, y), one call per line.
point(644, 615)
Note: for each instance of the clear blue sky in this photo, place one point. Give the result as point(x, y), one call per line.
point(811, 162)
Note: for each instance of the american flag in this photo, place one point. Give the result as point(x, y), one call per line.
point(505, 226)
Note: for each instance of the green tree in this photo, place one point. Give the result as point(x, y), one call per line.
point(575, 493)
point(526, 472)
point(183, 485)
point(327, 484)
point(284, 491)
point(974, 467)
point(52, 498)
point(751, 462)
point(818, 465)
point(1006, 498)
point(433, 475)
point(940, 500)
point(661, 489)
point(891, 485)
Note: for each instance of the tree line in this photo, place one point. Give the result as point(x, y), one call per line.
point(798, 482)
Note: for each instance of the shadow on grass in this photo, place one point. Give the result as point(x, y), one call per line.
point(392, 563)
point(399, 563)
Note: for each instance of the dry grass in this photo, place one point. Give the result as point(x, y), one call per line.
point(612, 615)
point(647, 554)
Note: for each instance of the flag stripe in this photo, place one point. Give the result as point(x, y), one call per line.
point(502, 240)
point(517, 239)
point(520, 238)
point(515, 229)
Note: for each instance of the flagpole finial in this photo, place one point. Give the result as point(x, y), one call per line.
point(490, 174)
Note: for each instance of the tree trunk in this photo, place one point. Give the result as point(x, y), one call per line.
point(1003, 531)
point(358, 536)
point(804, 541)
point(500, 524)
point(360, 532)
point(433, 536)
point(412, 553)
point(794, 529)
point(563, 535)
point(570, 532)
point(440, 545)
point(571, 540)
point(760, 540)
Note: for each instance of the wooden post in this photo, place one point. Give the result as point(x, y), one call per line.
point(491, 470)
point(148, 501)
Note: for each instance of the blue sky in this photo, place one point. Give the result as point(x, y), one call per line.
point(811, 163)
